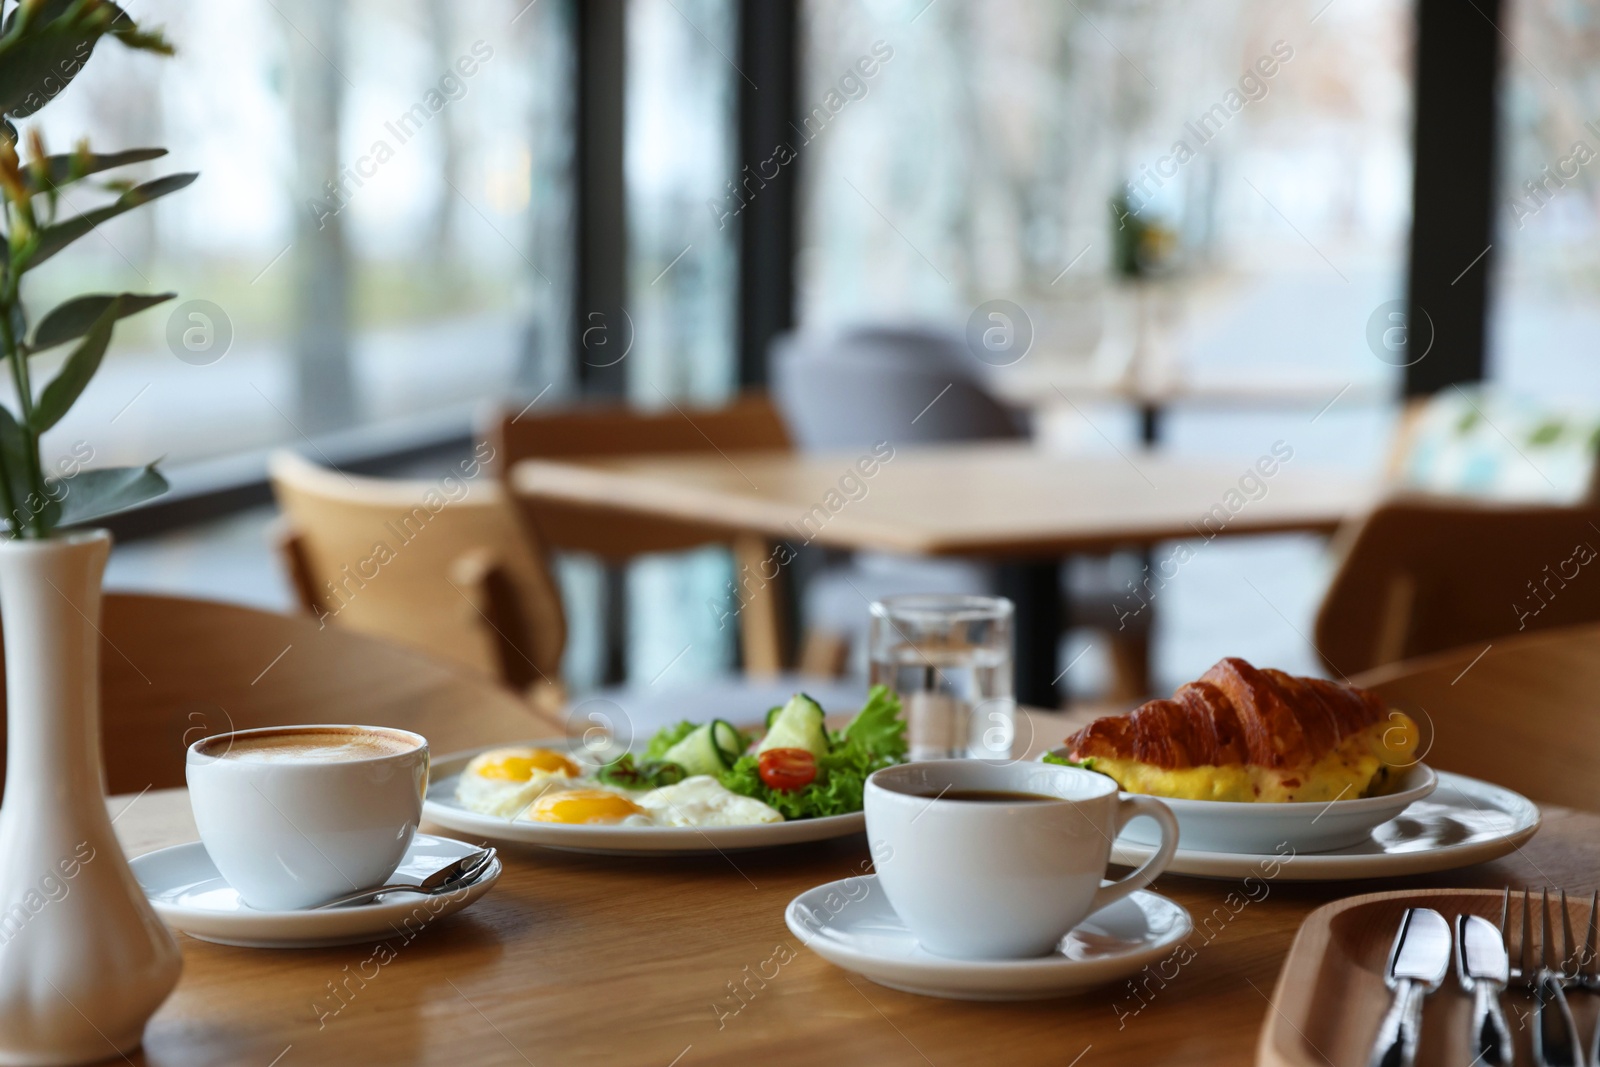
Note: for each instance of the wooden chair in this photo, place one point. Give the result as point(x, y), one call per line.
point(174, 670)
point(1524, 714)
point(1419, 575)
point(470, 585)
point(747, 424)
point(441, 566)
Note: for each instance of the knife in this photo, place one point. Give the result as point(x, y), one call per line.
point(1484, 969)
point(1417, 965)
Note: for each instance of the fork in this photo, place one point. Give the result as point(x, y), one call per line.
point(1555, 1035)
point(1586, 967)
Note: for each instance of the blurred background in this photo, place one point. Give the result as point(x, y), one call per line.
point(414, 210)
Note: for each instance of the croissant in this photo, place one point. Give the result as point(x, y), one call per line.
point(1242, 733)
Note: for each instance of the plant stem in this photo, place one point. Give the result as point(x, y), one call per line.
point(30, 440)
point(11, 353)
point(8, 298)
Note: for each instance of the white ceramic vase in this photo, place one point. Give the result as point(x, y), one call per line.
point(84, 961)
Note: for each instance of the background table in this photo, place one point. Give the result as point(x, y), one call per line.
point(1048, 383)
point(1001, 501)
point(601, 960)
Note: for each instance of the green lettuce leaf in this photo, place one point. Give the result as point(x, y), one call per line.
point(666, 737)
point(645, 774)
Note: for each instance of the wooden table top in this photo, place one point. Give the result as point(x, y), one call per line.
point(600, 960)
point(991, 499)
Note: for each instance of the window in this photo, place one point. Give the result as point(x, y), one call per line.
point(1262, 146)
point(414, 261)
point(679, 150)
point(1542, 317)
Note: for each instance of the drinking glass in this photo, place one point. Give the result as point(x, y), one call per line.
point(949, 658)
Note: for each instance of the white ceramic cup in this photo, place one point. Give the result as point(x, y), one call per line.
point(293, 832)
point(987, 879)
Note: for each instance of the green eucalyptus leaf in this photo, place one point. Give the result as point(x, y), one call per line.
point(69, 384)
point(68, 168)
point(49, 51)
point(34, 70)
point(53, 239)
point(94, 494)
point(71, 320)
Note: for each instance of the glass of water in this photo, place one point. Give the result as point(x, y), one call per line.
point(949, 658)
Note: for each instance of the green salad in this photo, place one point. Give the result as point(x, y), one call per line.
point(800, 768)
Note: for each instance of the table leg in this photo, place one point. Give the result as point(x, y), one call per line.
point(614, 620)
point(1041, 618)
point(761, 585)
point(1150, 424)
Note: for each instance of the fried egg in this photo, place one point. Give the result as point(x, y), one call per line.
point(587, 807)
point(504, 781)
point(702, 801)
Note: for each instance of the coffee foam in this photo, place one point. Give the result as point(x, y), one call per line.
point(310, 746)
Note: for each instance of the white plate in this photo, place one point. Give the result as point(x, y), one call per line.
point(191, 896)
point(1464, 822)
point(442, 808)
point(1305, 826)
point(850, 924)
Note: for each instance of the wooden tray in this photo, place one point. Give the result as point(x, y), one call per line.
point(1330, 995)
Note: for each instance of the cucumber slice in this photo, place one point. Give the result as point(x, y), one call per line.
point(709, 749)
point(772, 713)
point(729, 741)
point(798, 725)
point(697, 753)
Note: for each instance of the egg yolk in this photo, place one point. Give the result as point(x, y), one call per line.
point(520, 768)
point(583, 806)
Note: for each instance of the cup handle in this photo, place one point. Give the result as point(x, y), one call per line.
point(1147, 872)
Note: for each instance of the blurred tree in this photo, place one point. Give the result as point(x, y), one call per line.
point(544, 356)
point(442, 229)
point(323, 389)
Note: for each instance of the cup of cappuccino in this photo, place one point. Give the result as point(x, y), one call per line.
point(293, 816)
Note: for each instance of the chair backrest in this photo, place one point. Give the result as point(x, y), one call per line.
point(912, 386)
point(1421, 575)
point(1525, 714)
point(174, 670)
point(749, 423)
point(443, 566)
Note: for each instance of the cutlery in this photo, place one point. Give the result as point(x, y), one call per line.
point(1585, 967)
point(1417, 965)
point(445, 880)
point(1555, 1035)
point(1589, 968)
point(1484, 967)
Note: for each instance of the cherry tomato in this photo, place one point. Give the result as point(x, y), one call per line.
point(787, 769)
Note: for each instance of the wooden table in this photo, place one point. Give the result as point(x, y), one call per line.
point(1000, 501)
point(594, 960)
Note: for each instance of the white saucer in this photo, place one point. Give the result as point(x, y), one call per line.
point(191, 896)
point(850, 924)
point(1463, 822)
point(443, 809)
